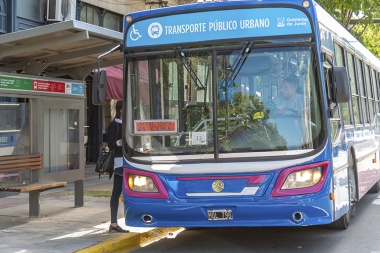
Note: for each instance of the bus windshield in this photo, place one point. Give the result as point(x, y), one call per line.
point(223, 102)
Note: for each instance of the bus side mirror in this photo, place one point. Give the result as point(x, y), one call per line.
point(99, 87)
point(339, 85)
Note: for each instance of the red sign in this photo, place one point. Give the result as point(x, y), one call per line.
point(155, 126)
point(43, 85)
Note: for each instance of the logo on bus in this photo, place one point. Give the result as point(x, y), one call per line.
point(155, 30)
point(217, 186)
point(281, 22)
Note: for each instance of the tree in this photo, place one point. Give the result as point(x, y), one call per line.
point(370, 38)
point(345, 10)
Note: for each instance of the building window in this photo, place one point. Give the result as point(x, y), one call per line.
point(89, 15)
point(100, 17)
point(3, 16)
point(113, 22)
point(28, 9)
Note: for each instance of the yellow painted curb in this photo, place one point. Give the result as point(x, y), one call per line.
point(130, 241)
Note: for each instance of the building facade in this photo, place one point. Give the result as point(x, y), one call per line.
point(20, 15)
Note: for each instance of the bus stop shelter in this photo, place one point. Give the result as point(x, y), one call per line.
point(42, 73)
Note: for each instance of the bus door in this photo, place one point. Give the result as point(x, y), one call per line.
point(338, 145)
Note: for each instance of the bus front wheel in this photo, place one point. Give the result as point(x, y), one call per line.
point(344, 221)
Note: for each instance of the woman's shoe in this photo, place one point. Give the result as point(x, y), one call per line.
point(117, 229)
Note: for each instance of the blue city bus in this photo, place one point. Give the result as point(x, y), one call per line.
point(206, 144)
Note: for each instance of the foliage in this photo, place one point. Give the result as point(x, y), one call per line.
point(246, 106)
point(242, 124)
point(362, 10)
point(370, 38)
point(253, 132)
point(195, 115)
point(91, 193)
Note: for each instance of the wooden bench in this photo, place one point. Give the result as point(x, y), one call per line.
point(9, 164)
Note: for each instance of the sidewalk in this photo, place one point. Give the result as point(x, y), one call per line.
point(65, 228)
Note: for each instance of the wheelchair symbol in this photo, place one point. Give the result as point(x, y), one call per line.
point(134, 34)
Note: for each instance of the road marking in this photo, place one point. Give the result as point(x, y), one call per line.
point(377, 202)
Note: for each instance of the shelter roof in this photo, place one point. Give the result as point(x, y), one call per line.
point(68, 48)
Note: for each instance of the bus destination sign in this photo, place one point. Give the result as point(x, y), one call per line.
point(164, 126)
point(217, 25)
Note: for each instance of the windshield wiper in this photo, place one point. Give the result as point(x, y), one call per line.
point(239, 61)
point(185, 61)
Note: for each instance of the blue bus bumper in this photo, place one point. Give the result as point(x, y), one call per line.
point(289, 211)
point(243, 200)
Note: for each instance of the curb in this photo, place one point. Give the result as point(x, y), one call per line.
point(131, 241)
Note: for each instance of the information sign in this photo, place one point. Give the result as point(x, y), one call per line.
point(40, 85)
point(217, 25)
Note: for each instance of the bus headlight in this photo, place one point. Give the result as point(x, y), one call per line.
point(139, 183)
point(143, 184)
point(303, 178)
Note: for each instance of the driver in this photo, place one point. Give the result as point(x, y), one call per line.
point(289, 101)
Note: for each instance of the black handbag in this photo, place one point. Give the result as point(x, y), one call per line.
point(105, 163)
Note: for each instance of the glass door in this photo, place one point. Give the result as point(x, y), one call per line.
point(63, 136)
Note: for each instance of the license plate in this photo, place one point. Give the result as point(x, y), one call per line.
point(224, 214)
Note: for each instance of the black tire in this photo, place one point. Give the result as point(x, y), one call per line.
point(344, 221)
point(375, 188)
point(353, 191)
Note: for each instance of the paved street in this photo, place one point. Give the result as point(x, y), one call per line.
point(362, 236)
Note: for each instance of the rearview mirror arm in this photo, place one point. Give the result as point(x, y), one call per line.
point(118, 47)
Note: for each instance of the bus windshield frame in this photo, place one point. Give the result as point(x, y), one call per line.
point(173, 117)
